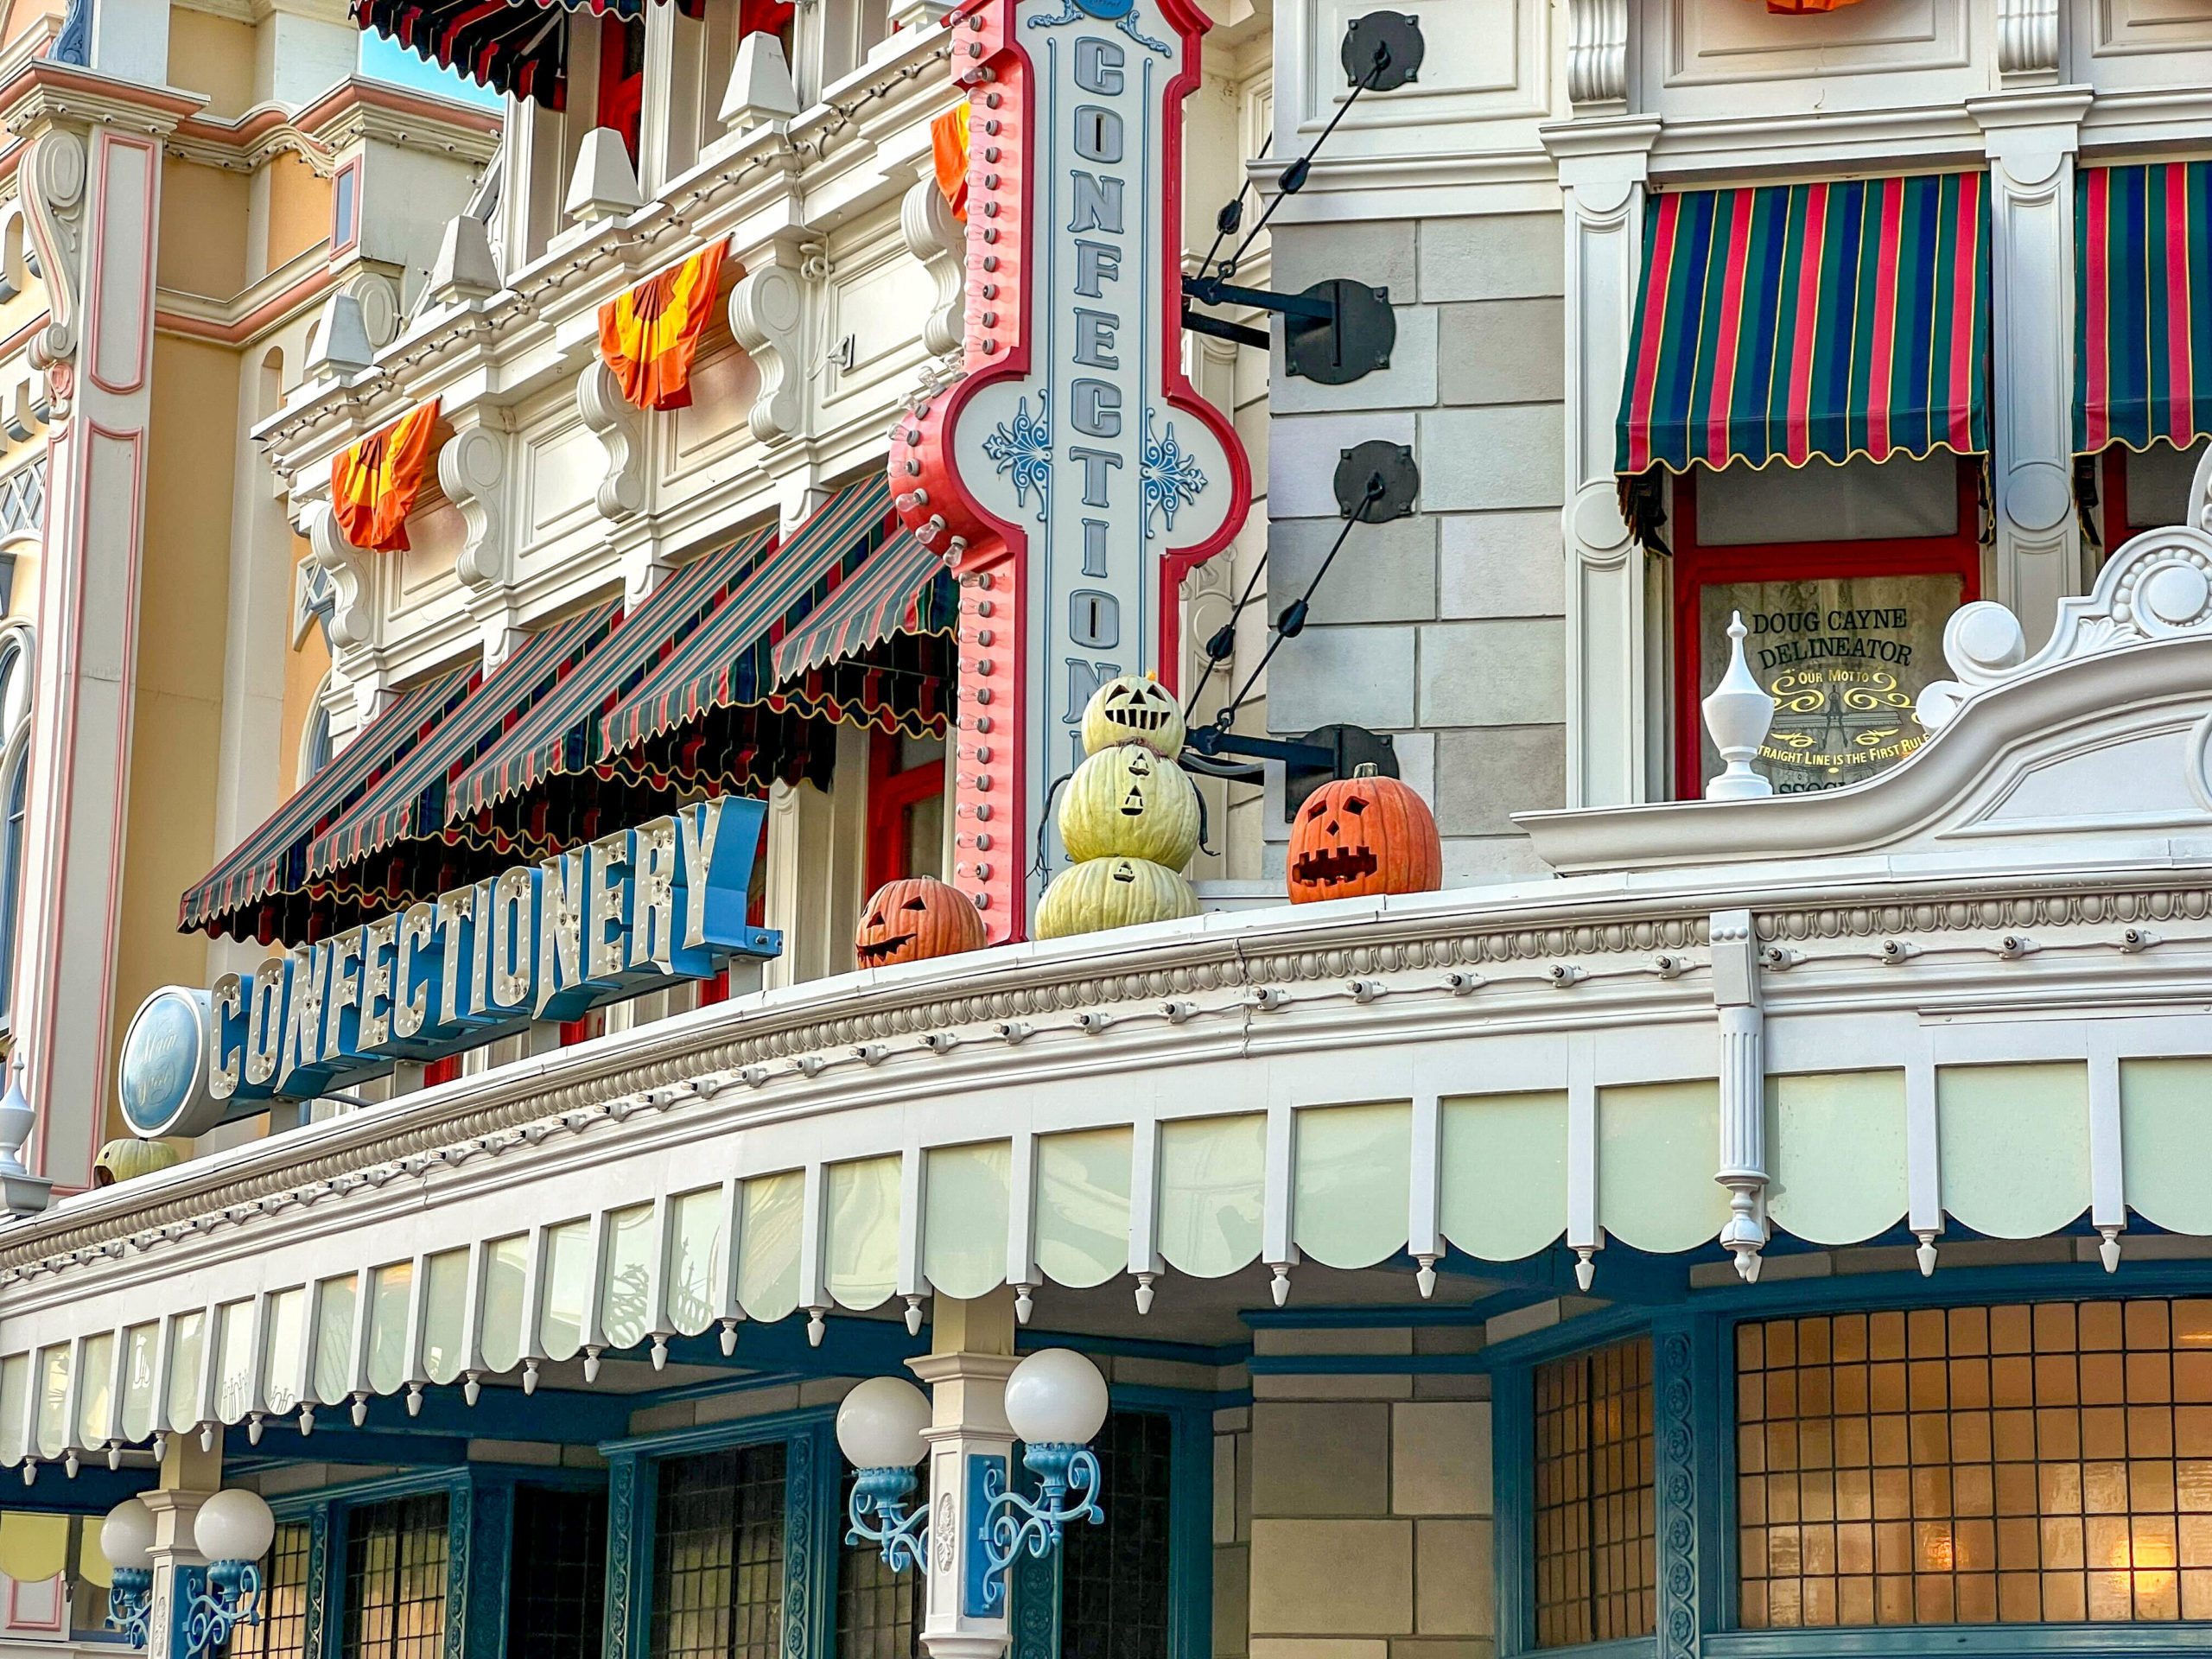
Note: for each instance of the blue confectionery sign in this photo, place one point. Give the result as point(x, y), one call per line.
point(625, 914)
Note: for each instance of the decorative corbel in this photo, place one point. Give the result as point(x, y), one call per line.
point(53, 179)
point(940, 242)
point(1743, 1086)
point(472, 472)
point(2027, 40)
point(620, 426)
point(339, 562)
point(1597, 52)
point(767, 313)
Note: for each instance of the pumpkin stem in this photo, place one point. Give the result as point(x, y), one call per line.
point(1366, 769)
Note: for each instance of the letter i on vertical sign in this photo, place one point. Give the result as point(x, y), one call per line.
point(1070, 477)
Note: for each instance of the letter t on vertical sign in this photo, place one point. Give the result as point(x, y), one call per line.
point(1071, 477)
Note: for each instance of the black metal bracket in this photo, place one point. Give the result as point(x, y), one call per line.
point(1334, 333)
point(1323, 754)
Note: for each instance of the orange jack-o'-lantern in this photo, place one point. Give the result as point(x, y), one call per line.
point(1363, 835)
point(914, 919)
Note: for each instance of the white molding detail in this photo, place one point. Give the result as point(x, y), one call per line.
point(472, 472)
point(2027, 40)
point(1597, 52)
point(620, 426)
point(604, 185)
point(352, 624)
point(53, 193)
point(767, 313)
point(940, 242)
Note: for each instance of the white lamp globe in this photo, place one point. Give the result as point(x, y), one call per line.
point(234, 1525)
point(880, 1424)
point(1056, 1396)
point(127, 1536)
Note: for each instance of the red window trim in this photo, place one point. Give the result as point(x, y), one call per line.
point(890, 792)
point(345, 238)
point(1695, 565)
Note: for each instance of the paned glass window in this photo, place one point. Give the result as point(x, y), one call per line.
point(283, 1632)
point(1977, 1464)
point(1596, 1555)
point(879, 1612)
point(1114, 1576)
point(396, 1579)
point(718, 1567)
point(559, 1577)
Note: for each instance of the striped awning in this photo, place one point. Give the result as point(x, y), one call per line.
point(729, 663)
point(1790, 322)
point(409, 802)
point(2143, 238)
point(560, 733)
point(273, 859)
point(903, 588)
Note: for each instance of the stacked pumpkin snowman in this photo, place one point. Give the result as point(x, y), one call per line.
point(1129, 818)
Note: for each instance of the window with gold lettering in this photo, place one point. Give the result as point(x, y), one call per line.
point(2036, 1463)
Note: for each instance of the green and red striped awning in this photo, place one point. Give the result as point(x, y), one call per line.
point(903, 588)
point(1790, 322)
point(273, 860)
point(560, 733)
point(409, 802)
point(2142, 241)
point(729, 664)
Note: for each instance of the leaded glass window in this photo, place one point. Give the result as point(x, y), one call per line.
point(1596, 1556)
point(558, 1585)
point(396, 1579)
point(1114, 1576)
point(718, 1562)
point(281, 1632)
point(2020, 1463)
point(879, 1612)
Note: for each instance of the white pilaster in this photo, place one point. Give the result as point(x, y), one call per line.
point(189, 1478)
point(1603, 163)
point(972, 1356)
point(2032, 137)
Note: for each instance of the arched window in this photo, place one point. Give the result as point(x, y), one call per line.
point(314, 741)
point(14, 790)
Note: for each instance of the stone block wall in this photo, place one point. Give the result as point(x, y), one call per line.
point(1366, 1511)
point(1447, 628)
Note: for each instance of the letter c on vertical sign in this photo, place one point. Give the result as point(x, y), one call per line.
point(1098, 66)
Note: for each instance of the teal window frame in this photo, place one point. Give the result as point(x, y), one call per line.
point(1695, 1469)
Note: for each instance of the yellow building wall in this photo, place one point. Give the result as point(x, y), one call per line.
point(212, 55)
point(299, 208)
point(204, 213)
point(22, 14)
point(177, 709)
point(305, 669)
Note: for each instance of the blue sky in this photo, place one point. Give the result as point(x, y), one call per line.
point(385, 60)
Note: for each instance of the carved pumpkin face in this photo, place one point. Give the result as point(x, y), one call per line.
point(1130, 803)
point(1364, 835)
point(1108, 893)
point(1136, 708)
point(915, 919)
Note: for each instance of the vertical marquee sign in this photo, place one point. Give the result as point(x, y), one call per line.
point(1072, 476)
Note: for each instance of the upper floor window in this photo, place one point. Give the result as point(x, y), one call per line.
point(906, 807)
point(1596, 1560)
point(396, 1579)
point(622, 79)
point(345, 206)
point(2021, 1463)
point(1845, 576)
point(2145, 489)
point(15, 798)
point(718, 1562)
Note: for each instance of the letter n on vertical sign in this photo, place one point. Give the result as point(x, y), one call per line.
point(1072, 476)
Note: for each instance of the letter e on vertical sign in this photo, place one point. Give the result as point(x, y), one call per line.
point(1072, 476)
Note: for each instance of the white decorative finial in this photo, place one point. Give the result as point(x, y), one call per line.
point(1737, 715)
point(21, 1193)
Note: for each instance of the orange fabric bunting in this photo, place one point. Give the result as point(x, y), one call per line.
point(1798, 8)
point(373, 483)
point(949, 150)
point(648, 334)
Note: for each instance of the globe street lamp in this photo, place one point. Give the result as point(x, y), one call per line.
point(880, 1431)
point(233, 1530)
point(127, 1541)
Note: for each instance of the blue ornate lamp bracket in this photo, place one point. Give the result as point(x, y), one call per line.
point(1067, 1491)
point(227, 1596)
point(130, 1602)
point(878, 1515)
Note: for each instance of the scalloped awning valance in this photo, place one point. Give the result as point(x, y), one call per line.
point(2143, 244)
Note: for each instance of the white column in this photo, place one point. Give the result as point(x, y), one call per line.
point(92, 193)
point(2032, 137)
point(189, 1478)
point(1603, 163)
point(972, 1357)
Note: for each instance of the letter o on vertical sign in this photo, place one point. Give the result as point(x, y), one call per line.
point(161, 1078)
point(1094, 618)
